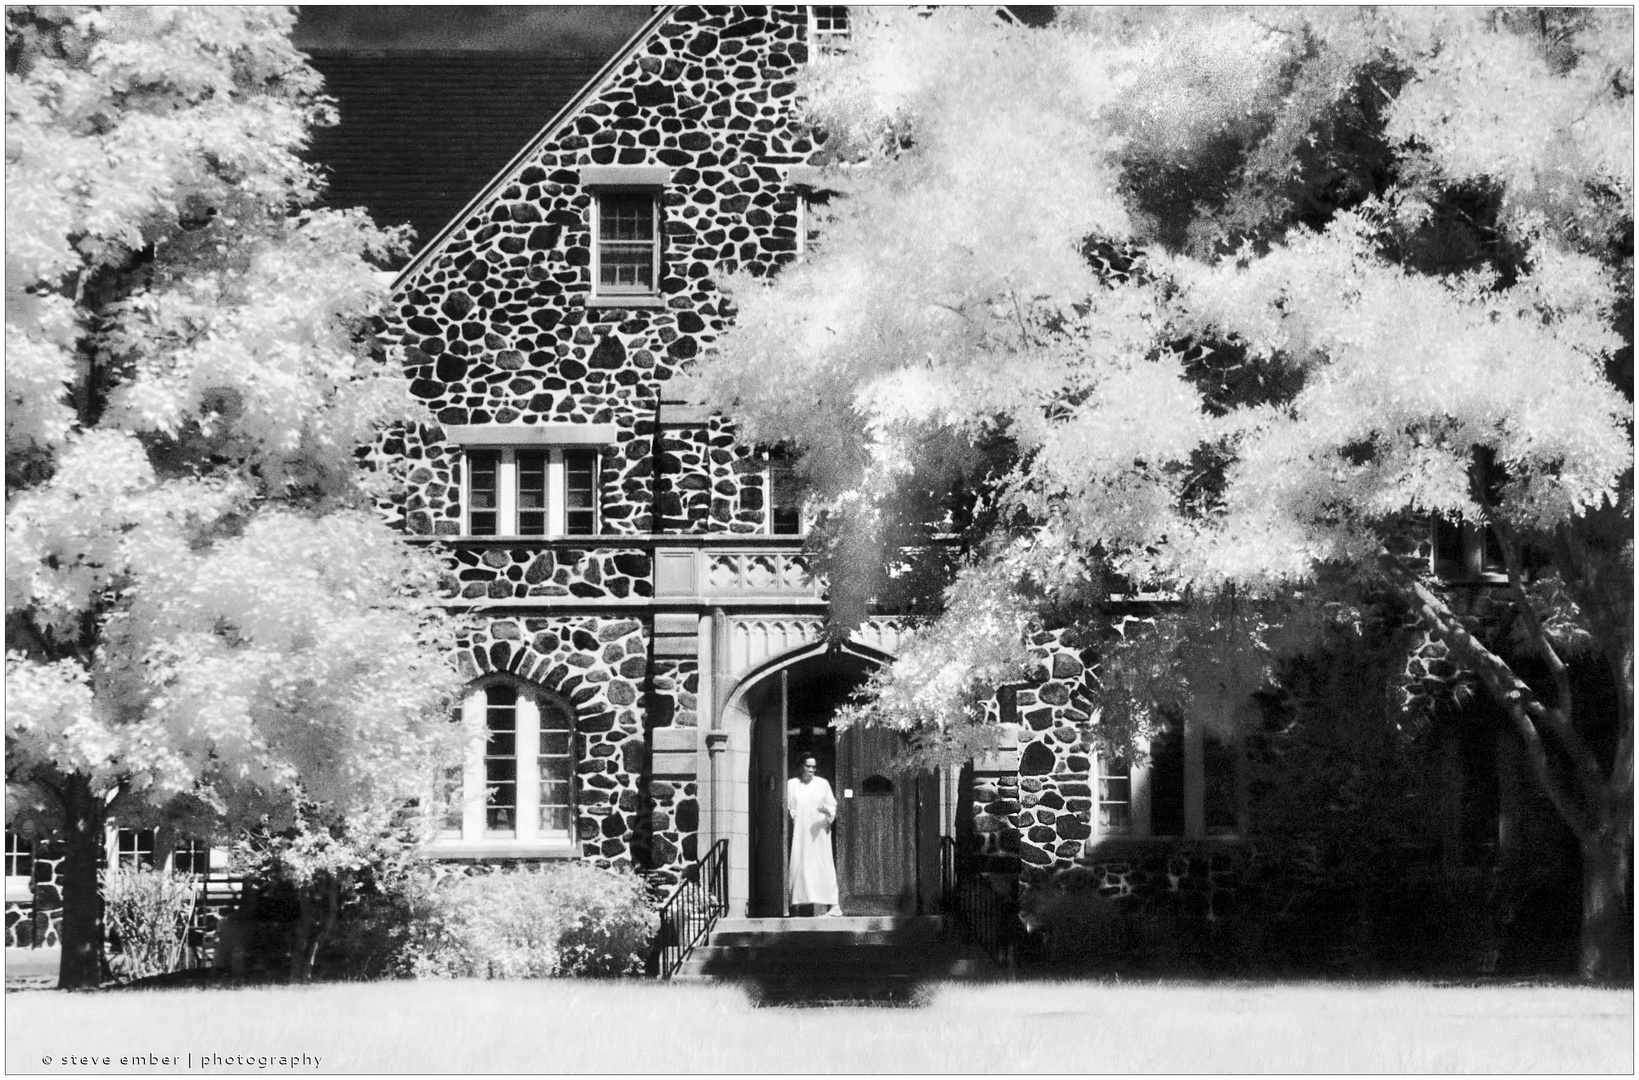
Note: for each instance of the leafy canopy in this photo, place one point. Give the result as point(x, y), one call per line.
point(204, 616)
point(1207, 299)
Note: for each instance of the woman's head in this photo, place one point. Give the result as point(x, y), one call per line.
point(809, 765)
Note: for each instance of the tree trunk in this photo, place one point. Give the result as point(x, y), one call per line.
point(1606, 915)
point(81, 932)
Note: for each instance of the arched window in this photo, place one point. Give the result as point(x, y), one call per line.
point(516, 786)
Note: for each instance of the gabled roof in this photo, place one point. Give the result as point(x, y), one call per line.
point(497, 178)
point(524, 149)
point(421, 131)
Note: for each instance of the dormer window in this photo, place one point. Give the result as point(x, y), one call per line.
point(828, 29)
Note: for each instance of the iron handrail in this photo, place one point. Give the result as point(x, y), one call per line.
point(989, 916)
point(693, 908)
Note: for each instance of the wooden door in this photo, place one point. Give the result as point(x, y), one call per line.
point(876, 827)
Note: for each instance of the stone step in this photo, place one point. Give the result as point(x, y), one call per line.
point(826, 938)
point(831, 924)
point(784, 961)
point(785, 968)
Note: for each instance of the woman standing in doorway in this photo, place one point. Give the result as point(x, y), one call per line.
point(813, 809)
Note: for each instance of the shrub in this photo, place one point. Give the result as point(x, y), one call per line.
point(1077, 924)
point(565, 919)
point(147, 914)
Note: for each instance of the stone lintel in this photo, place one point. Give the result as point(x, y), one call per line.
point(632, 176)
point(532, 434)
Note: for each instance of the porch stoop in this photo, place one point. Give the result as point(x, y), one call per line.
point(864, 960)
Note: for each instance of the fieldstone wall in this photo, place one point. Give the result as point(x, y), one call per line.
point(1194, 878)
point(514, 572)
point(1038, 820)
point(36, 923)
point(500, 325)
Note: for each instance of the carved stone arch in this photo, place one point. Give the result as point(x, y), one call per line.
point(733, 796)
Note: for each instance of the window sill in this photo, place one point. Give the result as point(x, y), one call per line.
point(626, 301)
point(519, 539)
point(501, 849)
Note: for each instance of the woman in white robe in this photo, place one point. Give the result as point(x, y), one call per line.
point(813, 808)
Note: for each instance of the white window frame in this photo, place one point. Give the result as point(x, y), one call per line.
point(19, 887)
point(600, 291)
point(804, 519)
point(473, 838)
point(128, 856)
point(506, 481)
point(1100, 764)
point(825, 42)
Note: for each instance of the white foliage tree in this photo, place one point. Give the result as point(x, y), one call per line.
point(206, 622)
point(1217, 301)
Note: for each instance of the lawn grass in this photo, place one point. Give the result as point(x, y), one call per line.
point(1071, 1026)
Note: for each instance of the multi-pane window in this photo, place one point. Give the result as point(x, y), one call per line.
point(450, 783)
point(521, 492)
point(554, 761)
point(1115, 796)
point(627, 243)
point(483, 492)
point(501, 761)
point(518, 782)
point(829, 28)
point(784, 499)
point(532, 493)
point(19, 856)
point(134, 848)
point(580, 485)
point(191, 857)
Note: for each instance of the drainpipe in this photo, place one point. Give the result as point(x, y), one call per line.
point(715, 666)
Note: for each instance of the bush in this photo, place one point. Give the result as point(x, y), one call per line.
point(147, 914)
point(1076, 924)
point(565, 919)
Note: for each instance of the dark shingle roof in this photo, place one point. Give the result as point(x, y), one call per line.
point(421, 133)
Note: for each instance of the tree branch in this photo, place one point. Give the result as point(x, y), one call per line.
point(1587, 766)
point(1517, 699)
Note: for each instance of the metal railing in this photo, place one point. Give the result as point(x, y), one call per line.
point(989, 916)
point(693, 908)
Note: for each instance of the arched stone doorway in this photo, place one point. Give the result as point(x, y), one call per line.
point(887, 833)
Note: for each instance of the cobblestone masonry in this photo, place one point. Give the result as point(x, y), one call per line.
point(511, 572)
point(35, 924)
point(1040, 817)
point(500, 325)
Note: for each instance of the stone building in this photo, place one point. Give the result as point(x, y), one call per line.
point(646, 658)
point(647, 649)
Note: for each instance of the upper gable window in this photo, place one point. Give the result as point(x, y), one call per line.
point(626, 243)
point(829, 29)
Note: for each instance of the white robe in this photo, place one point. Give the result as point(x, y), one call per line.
point(813, 876)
